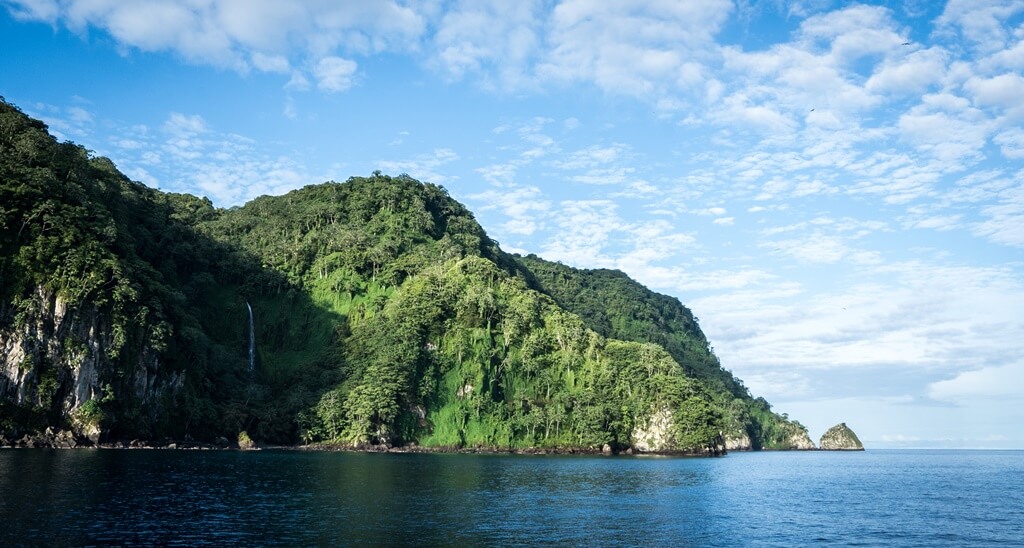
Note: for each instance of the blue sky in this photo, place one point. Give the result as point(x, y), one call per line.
point(835, 188)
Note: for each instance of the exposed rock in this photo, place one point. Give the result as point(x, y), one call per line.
point(840, 438)
point(738, 443)
point(56, 357)
point(245, 443)
point(57, 439)
point(607, 449)
point(800, 441)
point(656, 435)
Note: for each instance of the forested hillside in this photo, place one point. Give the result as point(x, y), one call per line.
point(616, 306)
point(381, 312)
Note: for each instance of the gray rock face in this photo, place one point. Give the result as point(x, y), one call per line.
point(738, 443)
point(656, 435)
point(840, 438)
point(56, 357)
point(800, 441)
point(54, 438)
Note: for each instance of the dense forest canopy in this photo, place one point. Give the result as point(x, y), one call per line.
point(382, 314)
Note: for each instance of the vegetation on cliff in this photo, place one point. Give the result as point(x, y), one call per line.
point(616, 306)
point(382, 311)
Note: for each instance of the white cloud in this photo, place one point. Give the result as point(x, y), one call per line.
point(525, 207)
point(190, 156)
point(911, 75)
point(492, 39)
point(424, 167)
point(1001, 382)
point(245, 34)
point(585, 229)
point(334, 74)
point(593, 156)
point(270, 63)
point(1003, 91)
point(814, 248)
point(853, 32)
point(1004, 223)
point(947, 127)
point(982, 22)
point(712, 211)
point(930, 318)
point(1011, 143)
point(181, 125)
point(607, 176)
point(630, 48)
point(739, 110)
point(39, 10)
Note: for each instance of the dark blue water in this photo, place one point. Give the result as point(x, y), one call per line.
point(891, 498)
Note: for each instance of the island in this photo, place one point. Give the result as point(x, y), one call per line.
point(371, 313)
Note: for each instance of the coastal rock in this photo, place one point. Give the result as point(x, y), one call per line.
point(800, 441)
point(57, 357)
point(739, 443)
point(56, 439)
point(840, 438)
point(656, 435)
point(245, 443)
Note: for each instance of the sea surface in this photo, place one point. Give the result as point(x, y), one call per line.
point(167, 497)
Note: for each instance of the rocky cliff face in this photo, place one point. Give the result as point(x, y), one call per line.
point(800, 441)
point(840, 438)
point(54, 359)
point(656, 435)
point(738, 443)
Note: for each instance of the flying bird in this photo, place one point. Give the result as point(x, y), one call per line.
point(905, 44)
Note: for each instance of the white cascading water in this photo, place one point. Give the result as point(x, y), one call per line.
point(252, 343)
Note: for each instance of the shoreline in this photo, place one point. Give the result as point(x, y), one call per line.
point(67, 440)
point(196, 446)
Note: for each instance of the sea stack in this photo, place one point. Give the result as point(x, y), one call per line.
point(840, 438)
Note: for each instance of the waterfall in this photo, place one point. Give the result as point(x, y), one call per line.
point(252, 342)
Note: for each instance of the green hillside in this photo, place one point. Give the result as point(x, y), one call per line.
point(382, 313)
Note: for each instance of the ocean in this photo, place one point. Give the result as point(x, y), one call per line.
point(175, 497)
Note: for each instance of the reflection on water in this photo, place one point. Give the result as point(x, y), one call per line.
point(284, 497)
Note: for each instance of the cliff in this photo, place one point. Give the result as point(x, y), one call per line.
point(800, 441)
point(840, 438)
point(54, 360)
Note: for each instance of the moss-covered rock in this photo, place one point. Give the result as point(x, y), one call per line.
point(840, 438)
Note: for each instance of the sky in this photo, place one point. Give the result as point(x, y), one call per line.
point(836, 189)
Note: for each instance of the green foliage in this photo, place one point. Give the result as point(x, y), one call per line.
point(90, 413)
point(383, 314)
point(615, 306)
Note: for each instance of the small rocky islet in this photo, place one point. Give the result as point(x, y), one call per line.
point(840, 438)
